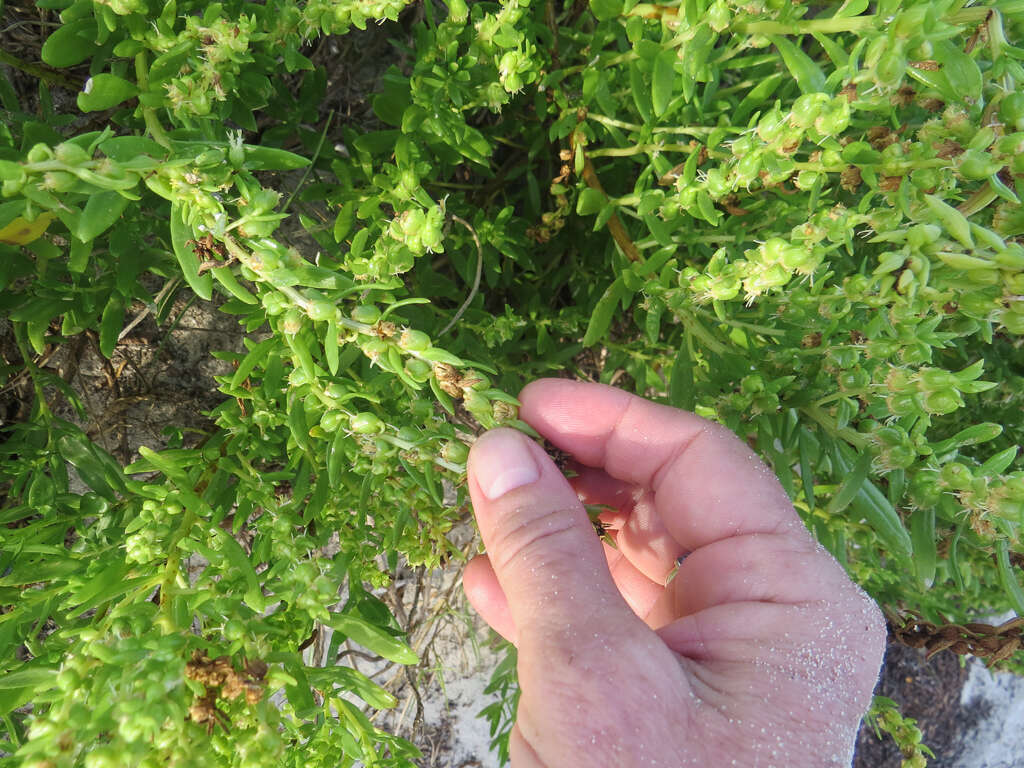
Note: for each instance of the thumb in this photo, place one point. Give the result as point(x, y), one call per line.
point(547, 559)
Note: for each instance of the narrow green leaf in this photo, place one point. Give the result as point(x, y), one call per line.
point(237, 558)
point(807, 74)
point(601, 319)
point(1000, 462)
point(111, 324)
point(331, 346)
point(226, 278)
point(168, 462)
point(78, 453)
point(372, 637)
point(680, 388)
point(806, 473)
point(259, 158)
point(297, 423)
point(756, 98)
point(954, 559)
point(851, 486)
point(641, 93)
point(27, 677)
point(663, 80)
point(181, 234)
point(1008, 578)
point(256, 356)
point(883, 519)
point(954, 222)
point(922, 534)
point(962, 72)
point(973, 435)
point(126, 149)
point(352, 681)
point(336, 459)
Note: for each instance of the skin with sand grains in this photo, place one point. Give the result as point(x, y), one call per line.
point(716, 632)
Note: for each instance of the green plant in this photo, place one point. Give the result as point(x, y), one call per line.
point(803, 221)
point(884, 715)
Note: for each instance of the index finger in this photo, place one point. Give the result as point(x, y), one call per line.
point(707, 484)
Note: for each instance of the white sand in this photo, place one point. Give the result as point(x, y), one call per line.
point(998, 740)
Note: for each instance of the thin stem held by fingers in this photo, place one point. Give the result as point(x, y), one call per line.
point(476, 277)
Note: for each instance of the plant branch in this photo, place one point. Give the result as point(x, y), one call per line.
point(476, 278)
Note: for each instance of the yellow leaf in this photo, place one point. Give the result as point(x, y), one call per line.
point(21, 232)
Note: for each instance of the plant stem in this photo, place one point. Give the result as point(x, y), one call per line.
point(762, 329)
point(614, 224)
point(33, 371)
point(43, 73)
point(852, 436)
point(476, 279)
point(638, 149)
point(170, 574)
point(694, 327)
point(692, 130)
point(156, 130)
point(670, 16)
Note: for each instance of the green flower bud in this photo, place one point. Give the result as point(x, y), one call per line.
point(753, 384)
point(805, 180)
point(881, 349)
point(1011, 145)
point(834, 119)
point(418, 370)
point(322, 310)
point(746, 169)
point(275, 303)
point(414, 341)
point(292, 322)
point(1011, 111)
point(474, 380)
point(477, 403)
point(69, 679)
point(772, 127)
point(890, 68)
point(944, 402)
point(897, 457)
point(976, 164)
point(58, 181)
point(366, 313)
point(455, 451)
point(458, 11)
point(931, 379)
point(807, 108)
point(854, 380)
point(330, 421)
point(375, 349)
point(718, 15)
point(366, 423)
point(103, 757)
point(39, 153)
point(956, 476)
point(925, 178)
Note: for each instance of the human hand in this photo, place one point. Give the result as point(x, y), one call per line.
point(759, 652)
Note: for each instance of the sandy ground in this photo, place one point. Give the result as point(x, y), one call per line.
point(997, 741)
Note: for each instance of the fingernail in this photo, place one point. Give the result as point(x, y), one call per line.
point(502, 462)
